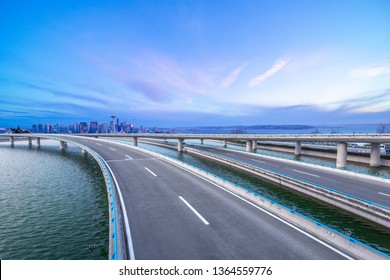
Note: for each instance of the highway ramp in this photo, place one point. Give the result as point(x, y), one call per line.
point(175, 214)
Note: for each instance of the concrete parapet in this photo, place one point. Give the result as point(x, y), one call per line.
point(361, 208)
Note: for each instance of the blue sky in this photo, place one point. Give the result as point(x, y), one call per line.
point(195, 63)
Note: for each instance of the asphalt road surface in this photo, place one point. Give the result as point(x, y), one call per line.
point(365, 188)
point(175, 214)
point(376, 191)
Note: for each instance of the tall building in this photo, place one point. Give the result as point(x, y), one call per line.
point(93, 127)
point(83, 127)
point(103, 128)
point(113, 124)
point(47, 128)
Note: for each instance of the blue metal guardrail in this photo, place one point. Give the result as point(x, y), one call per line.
point(111, 196)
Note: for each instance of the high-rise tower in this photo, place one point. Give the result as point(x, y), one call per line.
point(113, 123)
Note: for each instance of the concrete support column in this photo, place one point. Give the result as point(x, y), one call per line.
point(83, 151)
point(11, 140)
point(135, 141)
point(341, 155)
point(249, 146)
point(298, 148)
point(201, 141)
point(254, 146)
point(180, 144)
point(29, 141)
point(375, 156)
point(62, 145)
point(38, 142)
point(225, 143)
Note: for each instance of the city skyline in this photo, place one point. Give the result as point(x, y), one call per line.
point(195, 63)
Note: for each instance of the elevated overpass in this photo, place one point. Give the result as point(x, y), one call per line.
point(375, 140)
point(176, 213)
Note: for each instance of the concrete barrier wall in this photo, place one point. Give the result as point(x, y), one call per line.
point(361, 208)
point(299, 221)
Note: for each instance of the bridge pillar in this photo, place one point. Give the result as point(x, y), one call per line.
point(298, 148)
point(180, 144)
point(29, 141)
point(201, 141)
point(135, 141)
point(11, 140)
point(341, 161)
point(225, 143)
point(38, 142)
point(62, 145)
point(83, 151)
point(249, 146)
point(254, 146)
point(375, 156)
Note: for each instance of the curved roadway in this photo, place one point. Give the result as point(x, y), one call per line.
point(175, 214)
point(377, 191)
point(373, 190)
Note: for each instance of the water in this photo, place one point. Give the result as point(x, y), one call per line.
point(284, 129)
point(53, 203)
point(361, 229)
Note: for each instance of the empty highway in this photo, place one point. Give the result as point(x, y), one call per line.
point(365, 188)
point(175, 214)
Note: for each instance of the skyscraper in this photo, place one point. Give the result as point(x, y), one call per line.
point(93, 127)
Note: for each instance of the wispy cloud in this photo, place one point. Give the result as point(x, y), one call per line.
point(369, 72)
point(278, 65)
point(229, 80)
point(371, 102)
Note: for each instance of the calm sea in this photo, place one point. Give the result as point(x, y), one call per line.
point(53, 203)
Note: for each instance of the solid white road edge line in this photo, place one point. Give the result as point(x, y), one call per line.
point(196, 212)
point(130, 246)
